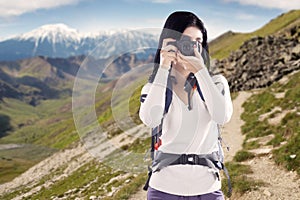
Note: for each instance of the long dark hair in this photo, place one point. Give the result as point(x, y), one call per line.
point(175, 25)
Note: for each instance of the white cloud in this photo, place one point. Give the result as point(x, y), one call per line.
point(279, 4)
point(9, 8)
point(245, 16)
point(161, 1)
point(151, 1)
point(156, 21)
point(215, 29)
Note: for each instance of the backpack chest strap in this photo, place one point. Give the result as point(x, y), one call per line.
point(194, 159)
point(163, 160)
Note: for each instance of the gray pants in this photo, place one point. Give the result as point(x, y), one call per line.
point(154, 194)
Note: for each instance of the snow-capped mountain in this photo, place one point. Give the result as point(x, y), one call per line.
point(54, 33)
point(59, 40)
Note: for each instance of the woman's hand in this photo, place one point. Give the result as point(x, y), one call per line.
point(191, 63)
point(168, 53)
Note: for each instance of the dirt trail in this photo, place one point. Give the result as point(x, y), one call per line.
point(280, 184)
point(231, 132)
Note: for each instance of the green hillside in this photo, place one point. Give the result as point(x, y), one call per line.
point(40, 130)
point(50, 126)
point(230, 41)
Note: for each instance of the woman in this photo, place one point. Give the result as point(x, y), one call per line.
point(190, 122)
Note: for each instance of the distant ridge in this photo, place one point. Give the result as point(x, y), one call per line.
point(223, 45)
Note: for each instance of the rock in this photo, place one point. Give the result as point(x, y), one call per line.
point(267, 193)
point(263, 151)
point(93, 197)
point(296, 49)
point(69, 192)
point(127, 181)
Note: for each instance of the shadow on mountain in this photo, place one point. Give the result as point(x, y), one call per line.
point(5, 125)
point(69, 66)
point(43, 89)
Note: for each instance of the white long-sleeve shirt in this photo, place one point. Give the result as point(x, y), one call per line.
point(187, 131)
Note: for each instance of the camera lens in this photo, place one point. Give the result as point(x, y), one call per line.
point(186, 48)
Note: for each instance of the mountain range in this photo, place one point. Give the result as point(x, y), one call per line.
point(59, 40)
point(39, 78)
point(43, 63)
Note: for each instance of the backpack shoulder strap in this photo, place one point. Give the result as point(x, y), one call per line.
point(199, 91)
point(156, 132)
point(169, 94)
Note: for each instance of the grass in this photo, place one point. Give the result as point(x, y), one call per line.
point(287, 130)
point(251, 145)
point(243, 155)
point(55, 133)
point(93, 174)
point(253, 108)
point(234, 95)
point(94, 178)
point(139, 145)
point(222, 47)
point(134, 105)
point(20, 113)
point(240, 182)
point(291, 134)
point(126, 191)
point(120, 106)
point(279, 23)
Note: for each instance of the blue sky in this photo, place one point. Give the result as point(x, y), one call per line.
point(219, 16)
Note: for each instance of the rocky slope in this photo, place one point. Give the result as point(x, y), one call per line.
point(56, 170)
point(262, 60)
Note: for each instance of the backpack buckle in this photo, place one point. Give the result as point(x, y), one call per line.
point(190, 159)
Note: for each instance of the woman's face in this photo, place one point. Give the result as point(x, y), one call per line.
point(194, 33)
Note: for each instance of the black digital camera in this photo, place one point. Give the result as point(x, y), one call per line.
point(185, 45)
